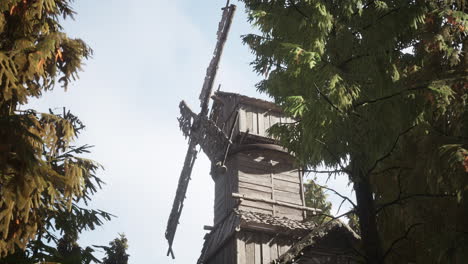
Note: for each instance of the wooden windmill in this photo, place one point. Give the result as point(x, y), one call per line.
point(259, 207)
point(198, 128)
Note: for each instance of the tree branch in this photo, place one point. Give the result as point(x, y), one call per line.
point(324, 171)
point(396, 241)
point(337, 193)
point(390, 151)
point(327, 99)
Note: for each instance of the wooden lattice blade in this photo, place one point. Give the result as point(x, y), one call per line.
point(181, 192)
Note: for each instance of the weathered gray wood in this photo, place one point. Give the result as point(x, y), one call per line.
point(266, 123)
point(250, 251)
point(245, 197)
point(261, 124)
point(242, 120)
point(255, 123)
point(258, 179)
point(249, 121)
point(286, 177)
point(240, 249)
point(288, 197)
point(254, 186)
point(258, 253)
point(265, 249)
point(255, 193)
point(286, 186)
point(273, 251)
point(291, 213)
point(259, 205)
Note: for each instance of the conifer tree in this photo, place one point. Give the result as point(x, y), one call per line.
point(42, 176)
point(116, 253)
point(315, 197)
point(379, 89)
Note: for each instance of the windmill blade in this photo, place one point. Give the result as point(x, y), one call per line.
point(198, 128)
point(223, 30)
point(178, 203)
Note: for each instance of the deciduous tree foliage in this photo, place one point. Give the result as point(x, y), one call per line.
point(42, 178)
point(379, 89)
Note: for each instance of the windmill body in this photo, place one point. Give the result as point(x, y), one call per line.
point(259, 207)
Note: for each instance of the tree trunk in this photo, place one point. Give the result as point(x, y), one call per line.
point(367, 218)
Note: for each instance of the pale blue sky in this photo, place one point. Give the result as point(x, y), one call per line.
point(149, 55)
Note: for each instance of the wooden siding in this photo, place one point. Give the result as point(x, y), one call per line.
point(225, 185)
point(257, 121)
point(254, 119)
point(260, 248)
point(269, 175)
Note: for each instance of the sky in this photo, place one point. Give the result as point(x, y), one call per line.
point(148, 56)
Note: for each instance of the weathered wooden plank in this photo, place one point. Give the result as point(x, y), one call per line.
point(286, 186)
point(255, 193)
point(248, 121)
point(265, 249)
point(291, 213)
point(294, 198)
point(286, 177)
point(258, 205)
point(261, 124)
point(258, 253)
point(240, 249)
point(255, 123)
point(250, 252)
point(273, 251)
point(254, 186)
point(242, 120)
point(259, 179)
point(266, 123)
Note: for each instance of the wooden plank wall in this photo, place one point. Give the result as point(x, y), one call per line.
point(257, 120)
point(225, 185)
point(260, 248)
point(258, 178)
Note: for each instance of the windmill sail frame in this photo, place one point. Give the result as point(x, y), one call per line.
point(198, 128)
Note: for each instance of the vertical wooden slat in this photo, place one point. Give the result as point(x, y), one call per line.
point(265, 249)
point(240, 249)
point(255, 123)
point(258, 252)
point(266, 122)
point(250, 251)
point(273, 251)
point(248, 120)
point(261, 124)
point(242, 120)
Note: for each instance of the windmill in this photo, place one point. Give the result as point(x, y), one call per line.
point(199, 129)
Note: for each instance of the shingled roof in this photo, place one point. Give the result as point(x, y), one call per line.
point(245, 220)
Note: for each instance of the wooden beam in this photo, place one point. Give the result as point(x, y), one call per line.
point(249, 198)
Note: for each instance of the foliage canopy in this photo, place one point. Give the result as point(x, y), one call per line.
point(43, 180)
point(380, 91)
